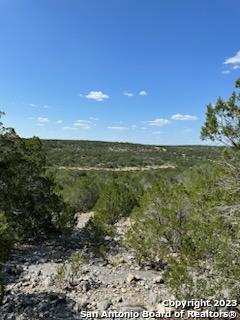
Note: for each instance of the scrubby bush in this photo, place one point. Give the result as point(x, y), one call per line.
point(79, 189)
point(157, 217)
point(69, 271)
point(82, 195)
point(5, 237)
point(116, 201)
point(5, 245)
point(29, 205)
point(27, 196)
point(192, 225)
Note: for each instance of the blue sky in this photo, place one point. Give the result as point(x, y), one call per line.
point(116, 70)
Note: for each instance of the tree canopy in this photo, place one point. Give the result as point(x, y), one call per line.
point(223, 121)
point(26, 194)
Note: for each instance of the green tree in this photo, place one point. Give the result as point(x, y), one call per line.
point(81, 194)
point(116, 201)
point(223, 121)
point(27, 196)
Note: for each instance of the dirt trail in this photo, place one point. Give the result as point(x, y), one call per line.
point(147, 168)
point(114, 282)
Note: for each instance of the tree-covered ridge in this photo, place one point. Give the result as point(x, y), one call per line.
point(99, 154)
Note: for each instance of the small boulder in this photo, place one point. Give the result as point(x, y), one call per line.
point(159, 280)
point(131, 278)
point(162, 309)
point(104, 305)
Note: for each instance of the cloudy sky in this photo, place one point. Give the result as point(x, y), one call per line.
point(116, 70)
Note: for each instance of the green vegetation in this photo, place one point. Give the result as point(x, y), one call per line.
point(76, 263)
point(187, 224)
point(117, 199)
point(5, 245)
point(29, 206)
point(191, 224)
point(27, 197)
point(78, 189)
point(184, 217)
point(69, 271)
point(85, 154)
point(223, 121)
point(60, 276)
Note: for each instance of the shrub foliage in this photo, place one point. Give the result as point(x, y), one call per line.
point(192, 225)
point(29, 206)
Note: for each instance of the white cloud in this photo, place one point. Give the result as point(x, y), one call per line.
point(143, 93)
point(93, 119)
point(143, 128)
point(119, 128)
point(59, 121)
point(83, 124)
point(183, 117)
point(69, 128)
point(79, 124)
point(158, 122)
point(236, 67)
point(226, 71)
point(42, 120)
point(96, 95)
point(233, 60)
point(128, 94)
point(45, 106)
point(83, 121)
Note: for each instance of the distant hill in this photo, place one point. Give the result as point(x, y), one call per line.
point(82, 153)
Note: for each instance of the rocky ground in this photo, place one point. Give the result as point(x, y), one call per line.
point(58, 278)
